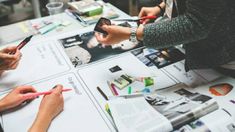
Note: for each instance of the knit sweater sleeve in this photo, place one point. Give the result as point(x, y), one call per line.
point(195, 24)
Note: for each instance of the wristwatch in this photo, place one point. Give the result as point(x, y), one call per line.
point(133, 37)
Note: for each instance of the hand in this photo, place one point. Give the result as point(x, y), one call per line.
point(16, 97)
point(9, 61)
point(116, 34)
point(51, 105)
point(149, 11)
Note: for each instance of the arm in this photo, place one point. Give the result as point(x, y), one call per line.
point(51, 105)
point(15, 97)
point(123, 33)
point(194, 25)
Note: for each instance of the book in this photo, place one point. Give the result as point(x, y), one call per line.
point(166, 110)
point(90, 11)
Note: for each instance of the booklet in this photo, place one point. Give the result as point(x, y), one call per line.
point(166, 110)
point(97, 9)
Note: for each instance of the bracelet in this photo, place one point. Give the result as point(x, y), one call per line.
point(162, 10)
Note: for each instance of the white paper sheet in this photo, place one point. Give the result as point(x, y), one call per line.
point(97, 74)
point(39, 60)
point(136, 115)
point(79, 115)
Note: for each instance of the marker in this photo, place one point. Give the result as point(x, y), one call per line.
point(109, 85)
point(23, 43)
point(114, 89)
point(102, 93)
point(42, 93)
point(129, 90)
point(108, 109)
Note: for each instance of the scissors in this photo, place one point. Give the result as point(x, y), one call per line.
point(138, 20)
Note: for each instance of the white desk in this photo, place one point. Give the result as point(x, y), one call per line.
point(84, 106)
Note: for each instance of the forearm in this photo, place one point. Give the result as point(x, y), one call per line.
point(195, 24)
point(3, 106)
point(41, 124)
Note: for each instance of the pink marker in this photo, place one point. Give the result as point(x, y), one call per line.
point(114, 89)
point(33, 95)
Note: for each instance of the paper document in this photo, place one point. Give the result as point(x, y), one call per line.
point(39, 61)
point(79, 114)
point(136, 115)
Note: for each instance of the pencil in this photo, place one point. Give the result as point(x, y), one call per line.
point(102, 93)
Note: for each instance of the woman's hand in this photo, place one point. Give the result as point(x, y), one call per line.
point(116, 34)
point(149, 11)
point(51, 105)
point(9, 61)
point(16, 97)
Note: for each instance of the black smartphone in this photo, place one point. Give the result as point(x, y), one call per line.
point(102, 21)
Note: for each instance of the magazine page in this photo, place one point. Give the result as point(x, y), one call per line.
point(171, 62)
point(84, 48)
point(181, 105)
point(136, 115)
point(222, 90)
point(209, 123)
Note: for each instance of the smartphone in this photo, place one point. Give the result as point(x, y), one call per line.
point(102, 21)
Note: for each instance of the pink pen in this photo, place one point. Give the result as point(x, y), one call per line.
point(32, 95)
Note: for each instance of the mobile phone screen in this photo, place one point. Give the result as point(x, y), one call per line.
point(102, 21)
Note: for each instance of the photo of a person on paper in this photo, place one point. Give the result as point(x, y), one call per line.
point(84, 48)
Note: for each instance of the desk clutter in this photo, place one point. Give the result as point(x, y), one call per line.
point(124, 87)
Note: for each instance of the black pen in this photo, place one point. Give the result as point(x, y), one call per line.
point(79, 17)
point(102, 93)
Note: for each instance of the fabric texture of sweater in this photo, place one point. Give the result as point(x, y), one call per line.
point(205, 27)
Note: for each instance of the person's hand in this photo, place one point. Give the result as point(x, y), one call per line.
point(9, 61)
point(149, 11)
point(51, 105)
point(16, 97)
point(116, 34)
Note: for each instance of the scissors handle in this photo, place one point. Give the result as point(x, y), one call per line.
point(148, 17)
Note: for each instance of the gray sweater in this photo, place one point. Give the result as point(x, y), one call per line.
point(205, 27)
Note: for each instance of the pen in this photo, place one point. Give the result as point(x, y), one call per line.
point(128, 96)
point(42, 93)
point(75, 16)
point(23, 43)
point(102, 93)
